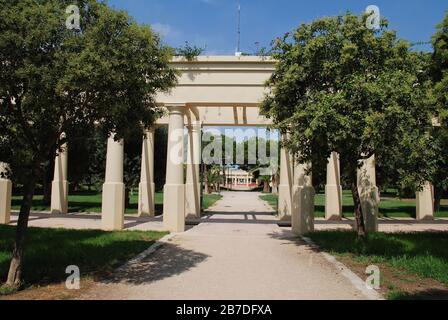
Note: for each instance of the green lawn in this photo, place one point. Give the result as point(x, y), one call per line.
point(210, 200)
point(50, 251)
point(92, 203)
point(390, 206)
point(272, 199)
point(422, 254)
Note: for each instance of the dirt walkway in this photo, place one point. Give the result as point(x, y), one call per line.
point(231, 255)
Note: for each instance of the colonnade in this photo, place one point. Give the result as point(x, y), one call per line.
point(182, 194)
point(181, 199)
point(296, 194)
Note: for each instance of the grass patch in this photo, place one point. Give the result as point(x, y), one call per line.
point(210, 200)
point(49, 251)
point(85, 203)
point(271, 199)
point(92, 203)
point(389, 206)
point(423, 255)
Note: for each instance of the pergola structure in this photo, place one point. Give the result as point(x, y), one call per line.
point(213, 91)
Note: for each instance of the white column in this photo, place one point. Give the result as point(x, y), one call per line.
point(193, 185)
point(59, 186)
point(112, 215)
point(368, 192)
point(146, 189)
point(5, 196)
point(174, 191)
point(303, 200)
point(425, 202)
point(285, 187)
point(333, 189)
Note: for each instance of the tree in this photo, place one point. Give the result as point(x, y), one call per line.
point(213, 179)
point(439, 74)
point(266, 180)
point(342, 87)
point(54, 79)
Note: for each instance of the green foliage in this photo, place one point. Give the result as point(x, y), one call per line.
point(439, 74)
point(339, 86)
point(56, 80)
point(189, 52)
point(213, 174)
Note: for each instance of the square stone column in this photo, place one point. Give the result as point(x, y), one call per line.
point(369, 194)
point(5, 196)
point(285, 186)
point(174, 190)
point(146, 188)
point(303, 200)
point(59, 186)
point(333, 189)
point(193, 185)
point(113, 205)
point(425, 202)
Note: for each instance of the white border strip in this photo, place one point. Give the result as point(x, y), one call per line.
point(359, 284)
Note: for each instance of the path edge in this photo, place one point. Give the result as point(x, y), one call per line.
point(153, 248)
point(359, 284)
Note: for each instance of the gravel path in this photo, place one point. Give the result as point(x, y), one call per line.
point(231, 255)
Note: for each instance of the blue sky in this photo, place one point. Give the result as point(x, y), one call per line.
point(213, 23)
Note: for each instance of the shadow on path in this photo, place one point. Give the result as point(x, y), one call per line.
point(169, 260)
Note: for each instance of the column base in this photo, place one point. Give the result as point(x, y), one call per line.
point(59, 197)
point(174, 207)
point(146, 200)
point(112, 214)
point(369, 203)
point(193, 200)
point(284, 203)
point(5, 201)
point(303, 210)
point(425, 204)
point(333, 202)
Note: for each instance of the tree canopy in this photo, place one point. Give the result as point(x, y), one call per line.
point(439, 76)
point(342, 87)
point(54, 80)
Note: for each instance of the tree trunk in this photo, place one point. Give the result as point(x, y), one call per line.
point(360, 224)
point(15, 268)
point(438, 193)
point(205, 173)
point(127, 198)
point(266, 188)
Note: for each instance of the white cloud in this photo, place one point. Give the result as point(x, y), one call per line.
point(165, 30)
